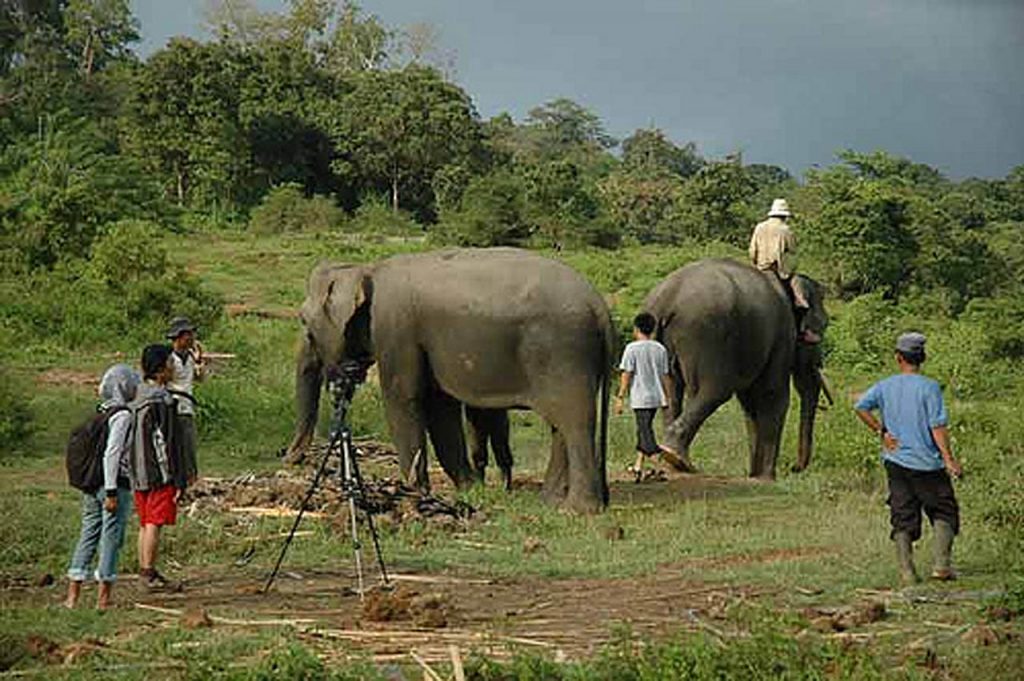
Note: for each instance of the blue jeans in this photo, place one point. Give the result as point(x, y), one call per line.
point(100, 529)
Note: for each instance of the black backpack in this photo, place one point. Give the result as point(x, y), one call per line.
point(84, 453)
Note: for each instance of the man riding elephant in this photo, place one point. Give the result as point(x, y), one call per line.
point(773, 249)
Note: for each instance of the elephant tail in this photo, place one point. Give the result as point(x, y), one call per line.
point(605, 377)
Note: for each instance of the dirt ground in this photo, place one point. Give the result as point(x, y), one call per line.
point(429, 613)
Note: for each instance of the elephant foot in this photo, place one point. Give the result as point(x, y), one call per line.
point(554, 496)
point(680, 462)
point(798, 468)
point(584, 504)
point(294, 456)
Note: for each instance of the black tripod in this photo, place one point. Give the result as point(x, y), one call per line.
point(341, 383)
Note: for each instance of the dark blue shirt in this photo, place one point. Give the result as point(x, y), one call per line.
point(910, 405)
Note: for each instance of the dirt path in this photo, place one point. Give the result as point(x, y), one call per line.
point(569, 618)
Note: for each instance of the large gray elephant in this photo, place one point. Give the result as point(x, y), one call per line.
point(730, 330)
point(488, 328)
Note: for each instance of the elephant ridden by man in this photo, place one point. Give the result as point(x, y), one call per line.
point(491, 329)
point(730, 330)
point(773, 249)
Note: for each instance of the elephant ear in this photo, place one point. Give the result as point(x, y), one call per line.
point(348, 289)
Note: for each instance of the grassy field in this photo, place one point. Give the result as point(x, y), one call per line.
point(710, 576)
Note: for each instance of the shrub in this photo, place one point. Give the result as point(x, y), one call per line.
point(376, 217)
point(127, 292)
point(493, 213)
point(286, 209)
point(16, 424)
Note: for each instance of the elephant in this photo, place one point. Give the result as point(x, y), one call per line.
point(730, 330)
point(493, 329)
point(490, 427)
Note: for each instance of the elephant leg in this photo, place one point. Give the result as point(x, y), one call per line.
point(556, 479)
point(478, 436)
point(500, 431)
point(402, 381)
point(696, 410)
point(765, 407)
point(408, 429)
point(444, 424)
point(588, 487)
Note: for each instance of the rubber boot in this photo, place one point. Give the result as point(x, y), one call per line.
point(943, 561)
point(905, 554)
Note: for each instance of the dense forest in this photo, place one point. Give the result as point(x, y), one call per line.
point(325, 119)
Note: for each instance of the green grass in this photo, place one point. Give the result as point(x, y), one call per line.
point(823, 532)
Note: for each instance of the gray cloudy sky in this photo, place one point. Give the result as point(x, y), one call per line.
point(784, 81)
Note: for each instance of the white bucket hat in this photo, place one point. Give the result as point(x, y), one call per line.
point(780, 209)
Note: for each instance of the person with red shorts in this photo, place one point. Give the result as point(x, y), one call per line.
point(157, 472)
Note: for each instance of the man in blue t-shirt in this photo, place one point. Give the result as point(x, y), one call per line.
point(917, 456)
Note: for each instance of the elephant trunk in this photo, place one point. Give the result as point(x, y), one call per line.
point(809, 384)
point(308, 379)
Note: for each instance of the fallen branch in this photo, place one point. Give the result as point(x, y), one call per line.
point(460, 673)
point(274, 512)
point(426, 667)
point(228, 621)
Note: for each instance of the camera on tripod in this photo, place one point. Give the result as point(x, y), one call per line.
point(343, 379)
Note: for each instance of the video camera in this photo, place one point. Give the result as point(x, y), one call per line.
point(344, 378)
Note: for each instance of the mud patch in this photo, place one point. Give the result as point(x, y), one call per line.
point(68, 377)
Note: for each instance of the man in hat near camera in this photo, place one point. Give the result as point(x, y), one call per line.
point(773, 249)
point(917, 457)
point(187, 365)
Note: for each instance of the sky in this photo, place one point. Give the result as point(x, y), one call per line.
point(788, 82)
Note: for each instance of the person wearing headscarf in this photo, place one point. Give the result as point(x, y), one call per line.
point(105, 511)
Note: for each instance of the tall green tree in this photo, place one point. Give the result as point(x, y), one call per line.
point(99, 32)
point(396, 129)
point(649, 152)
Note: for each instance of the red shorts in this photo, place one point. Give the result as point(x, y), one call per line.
point(157, 506)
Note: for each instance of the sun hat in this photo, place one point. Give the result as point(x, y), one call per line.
point(179, 325)
point(780, 209)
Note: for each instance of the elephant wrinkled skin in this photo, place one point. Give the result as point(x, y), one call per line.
point(487, 328)
point(730, 330)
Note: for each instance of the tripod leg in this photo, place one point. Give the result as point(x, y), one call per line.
point(298, 518)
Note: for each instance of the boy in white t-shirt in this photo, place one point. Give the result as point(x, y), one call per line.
point(645, 374)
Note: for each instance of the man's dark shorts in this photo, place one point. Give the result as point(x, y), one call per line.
point(911, 491)
point(645, 441)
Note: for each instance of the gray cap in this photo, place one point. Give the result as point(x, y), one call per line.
point(911, 343)
point(179, 325)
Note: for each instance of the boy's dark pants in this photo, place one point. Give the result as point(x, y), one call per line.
point(645, 441)
point(911, 491)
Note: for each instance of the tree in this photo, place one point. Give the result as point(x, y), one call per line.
point(398, 128)
point(643, 205)
point(863, 229)
point(183, 121)
point(99, 32)
point(711, 204)
point(493, 212)
point(562, 125)
point(649, 152)
point(358, 43)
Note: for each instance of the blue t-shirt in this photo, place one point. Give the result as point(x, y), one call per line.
point(911, 405)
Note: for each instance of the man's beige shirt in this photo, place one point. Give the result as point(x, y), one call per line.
point(773, 246)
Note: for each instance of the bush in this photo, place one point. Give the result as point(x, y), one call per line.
point(493, 213)
point(16, 424)
point(285, 208)
point(126, 293)
point(375, 217)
